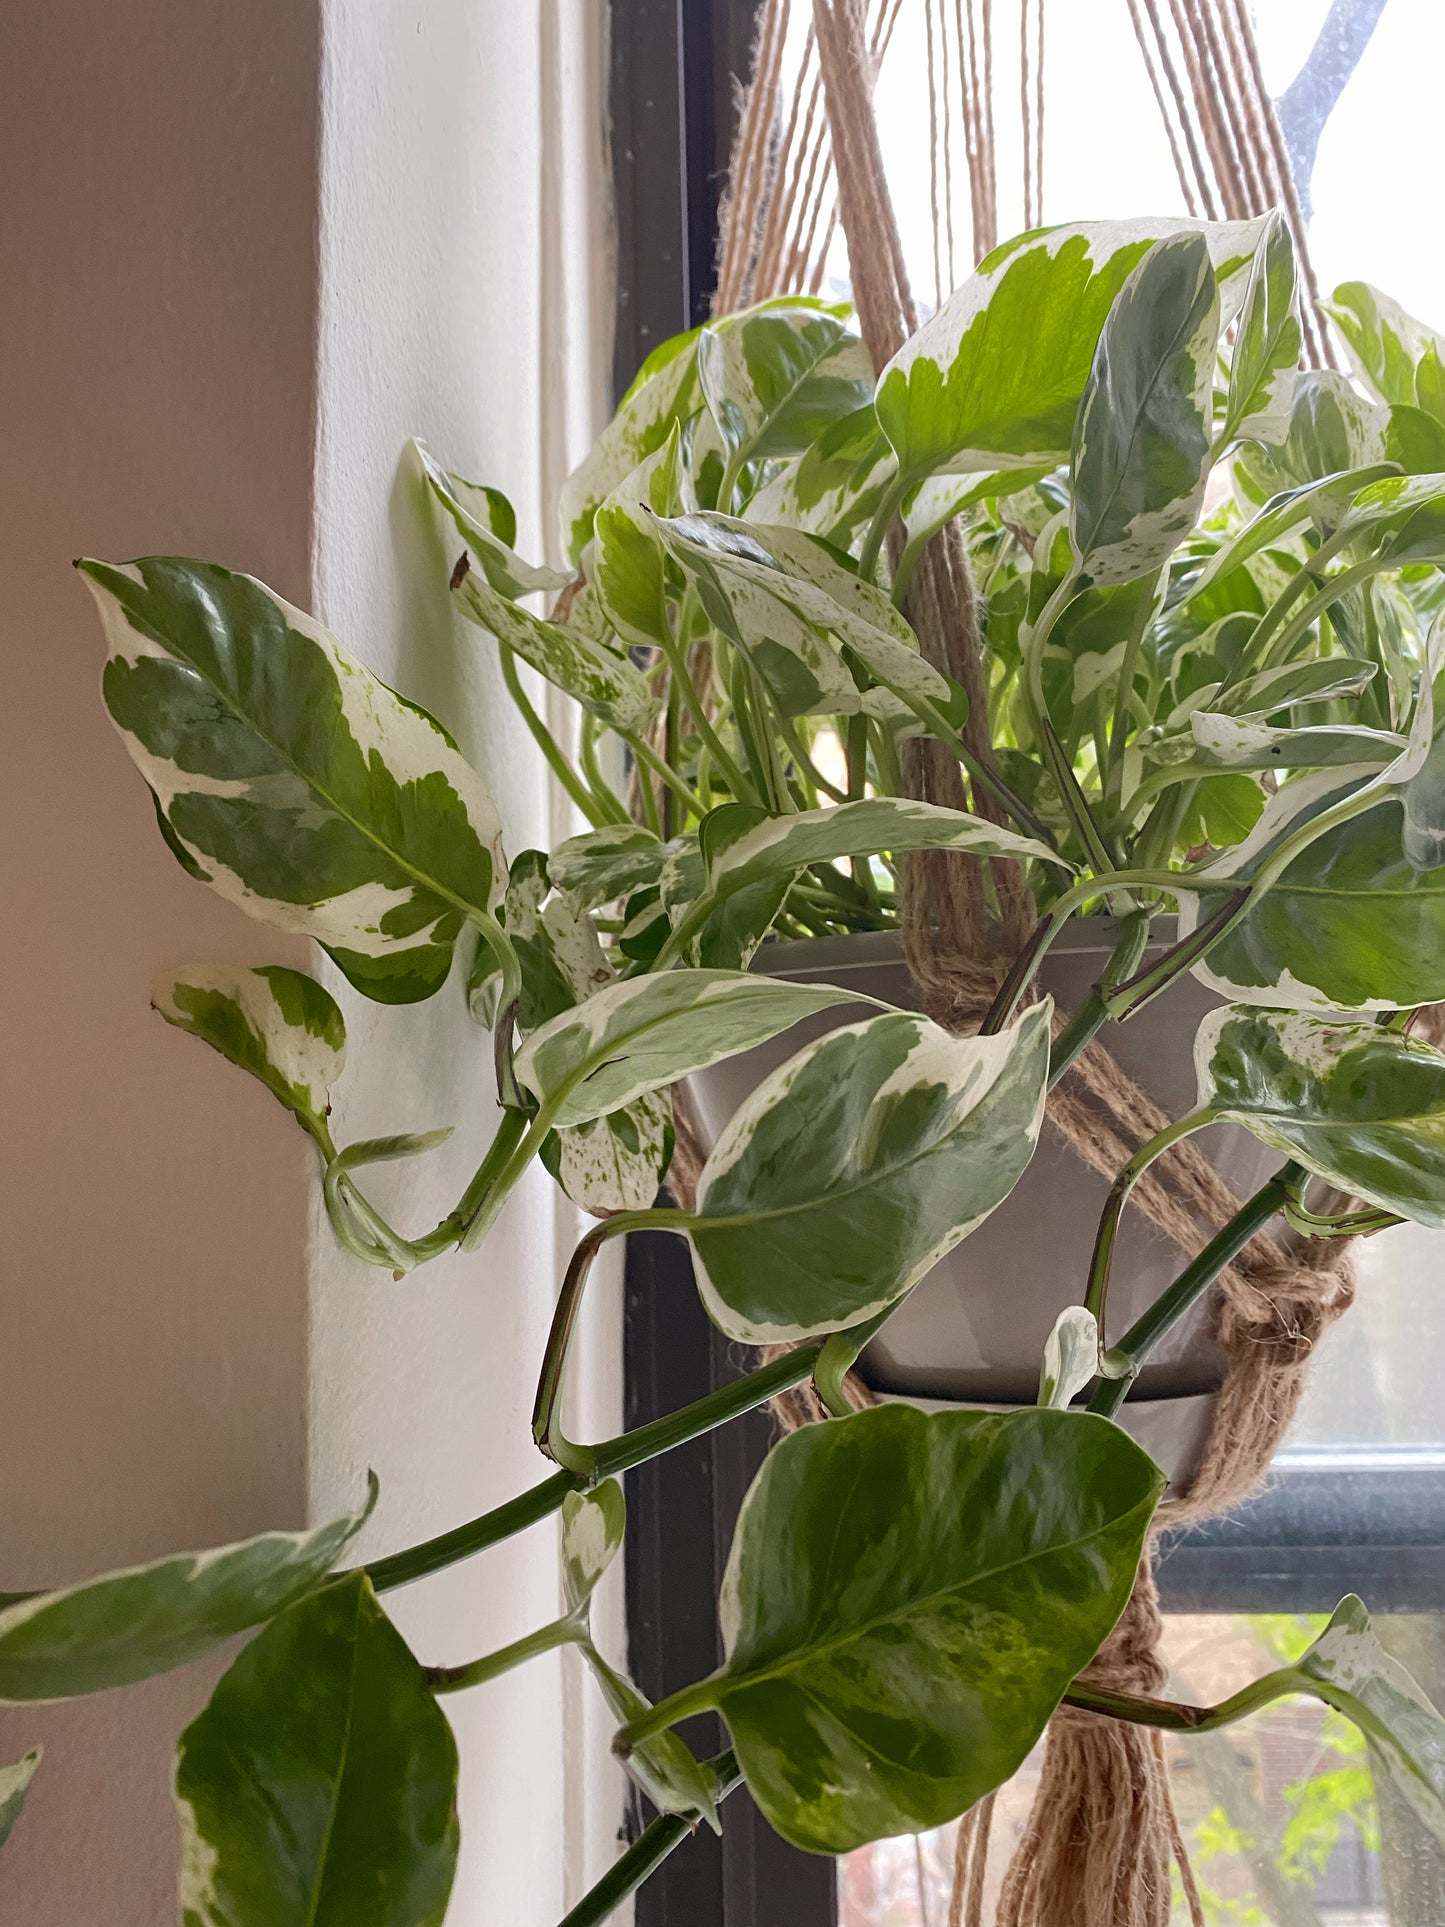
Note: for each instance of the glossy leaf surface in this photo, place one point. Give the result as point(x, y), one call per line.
point(278, 1024)
point(318, 1788)
point(1141, 444)
point(593, 1525)
point(485, 521)
point(645, 1032)
point(1386, 344)
point(603, 680)
point(1359, 1106)
point(1071, 1357)
point(775, 377)
point(856, 1165)
point(602, 865)
point(1267, 343)
point(129, 1625)
point(994, 379)
point(663, 395)
point(302, 788)
point(906, 1600)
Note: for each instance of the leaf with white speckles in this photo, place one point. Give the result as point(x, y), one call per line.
point(278, 1024)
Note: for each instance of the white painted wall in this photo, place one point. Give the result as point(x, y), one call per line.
point(246, 251)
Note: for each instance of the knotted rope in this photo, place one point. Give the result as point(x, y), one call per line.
point(1098, 1846)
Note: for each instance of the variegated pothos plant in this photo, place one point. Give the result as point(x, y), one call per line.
point(1208, 582)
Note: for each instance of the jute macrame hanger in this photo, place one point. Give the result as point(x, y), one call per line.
point(1098, 1846)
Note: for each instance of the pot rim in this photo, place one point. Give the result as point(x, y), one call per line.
point(831, 957)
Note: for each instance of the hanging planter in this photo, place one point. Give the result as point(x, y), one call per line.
point(767, 608)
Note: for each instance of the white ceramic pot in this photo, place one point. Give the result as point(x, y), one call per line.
point(972, 1331)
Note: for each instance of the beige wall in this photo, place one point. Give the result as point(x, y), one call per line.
point(235, 271)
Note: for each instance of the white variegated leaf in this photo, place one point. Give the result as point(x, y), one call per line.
point(1227, 742)
point(994, 379)
point(297, 784)
point(14, 1786)
point(593, 1525)
point(1267, 344)
point(1071, 1357)
point(603, 681)
point(1141, 444)
point(645, 1032)
point(774, 377)
point(617, 1162)
point(833, 488)
point(857, 1165)
point(600, 866)
point(485, 521)
point(1356, 1104)
point(1386, 344)
point(664, 394)
point(1323, 502)
point(628, 562)
point(278, 1024)
point(935, 502)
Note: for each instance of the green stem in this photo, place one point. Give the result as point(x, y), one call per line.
point(939, 727)
point(462, 1542)
point(878, 528)
point(1093, 1013)
point(1118, 727)
point(1175, 1716)
point(545, 740)
point(1337, 586)
point(741, 788)
point(700, 1697)
point(589, 1464)
point(838, 1357)
point(1252, 655)
point(647, 755)
point(546, 1409)
point(647, 1853)
point(743, 722)
point(476, 1672)
point(1097, 1292)
point(508, 1155)
point(606, 798)
point(1126, 1358)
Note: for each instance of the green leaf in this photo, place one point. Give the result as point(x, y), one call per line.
point(645, 1032)
point(784, 600)
point(1401, 518)
point(729, 936)
point(629, 564)
point(935, 502)
point(857, 1165)
point(602, 865)
point(664, 394)
point(1385, 344)
point(1332, 428)
point(907, 1599)
point(1322, 681)
point(1267, 343)
point(863, 828)
point(603, 680)
point(1071, 1357)
point(617, 1162)
point(1424, 800)
point(593, 1525)
point(1322, 502)
point(130, 1625)
point(1349, 1670)
point(776, 376)
point(1222, 812)
point(1358, 1105)
point(318, 1788)
point(994, 379)
point(310, 794)
point(1230, 742)
point(14, 1786)
point(278, 1024)
point(835, 487)
point(1141, 444)
point(487, 523)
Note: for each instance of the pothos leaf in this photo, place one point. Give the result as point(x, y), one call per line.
point(487, 523)
point(593, 1525)
point(130, 1625)
point(648, 1031)
point(278, 1024)
point(1267, 343)
point(617, 1162)
point(834, 487)
point(1358, 1105)
point(1323, 502)
point(310, 794)
point(14, 1786)
point(600, 866)
point(994, 379)
point(1141, 443)
point(1386, 344)
point(852, 1169)
point(776, 376)
point(603, 680)
point(318, 1788)
point(629, 564)
point(664, 394)
point(907, 1598)
point(1071, 1357)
